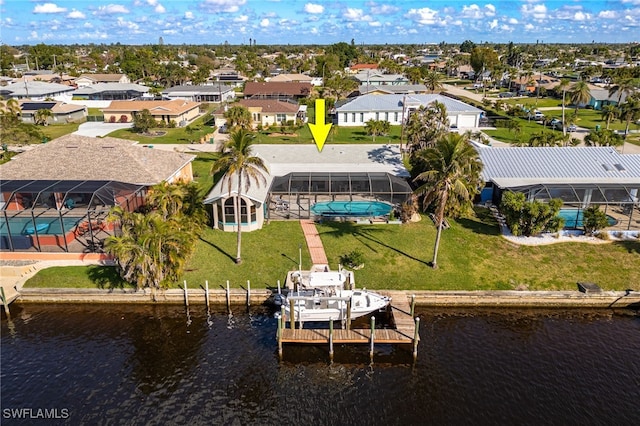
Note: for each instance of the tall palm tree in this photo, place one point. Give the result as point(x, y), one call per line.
point(563, 86)
point(609, 112)
point(450, 180)
point(580, 93)
point(238, 116)
point(630, 111)
point(433, 81)
point(238, 163)
point(42, 116)
point(624, 86)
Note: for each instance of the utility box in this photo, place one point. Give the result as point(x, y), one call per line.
point(589, 288)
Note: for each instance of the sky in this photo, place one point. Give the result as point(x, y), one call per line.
point(298, 22)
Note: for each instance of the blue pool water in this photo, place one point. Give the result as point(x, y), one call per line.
point(351, 208)
point(44, 225)
point(573, 218)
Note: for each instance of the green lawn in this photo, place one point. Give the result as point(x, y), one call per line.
point(54, 131)
point(472, 257)
point(337, 135)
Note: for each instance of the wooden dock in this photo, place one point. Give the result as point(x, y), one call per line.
point(405, 330)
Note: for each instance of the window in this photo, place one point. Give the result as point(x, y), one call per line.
point(353, 117)
point(362, 117)
point(346, 119)
point(386, 116)
point(377, 116)
point(395, 117)
point(229, 217)
point(281, 118)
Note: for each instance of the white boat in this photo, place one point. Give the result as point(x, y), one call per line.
point(326, 296)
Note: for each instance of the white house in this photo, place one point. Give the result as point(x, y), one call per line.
point(394, 108)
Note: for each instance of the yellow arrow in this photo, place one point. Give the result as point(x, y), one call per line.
point(320, 130)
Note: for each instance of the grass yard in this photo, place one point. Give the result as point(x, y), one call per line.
point(337, 135)
point(472, 257)
point(54, 131)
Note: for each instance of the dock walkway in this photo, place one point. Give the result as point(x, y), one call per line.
point(314, 243)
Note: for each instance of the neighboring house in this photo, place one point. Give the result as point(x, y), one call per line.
point(61, 112)
point(580, 176)
point(379, 79)
point(355, 69)
point(277, 90)
point(396, 108)
point(269, 112)
point(37, 91)
point(291, 78)
point(110, 91)
point(56, 196)
point(522, 84)
point(600, 97)
point(201, 93)
point(90, 79)
point(299, 176)
point(400, 89)
point(231, 78)
point(179, 111)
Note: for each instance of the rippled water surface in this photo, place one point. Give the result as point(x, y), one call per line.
point(117, 364)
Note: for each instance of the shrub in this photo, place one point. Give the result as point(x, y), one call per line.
point(353, 260)
point(593, 220)
point(530, 217)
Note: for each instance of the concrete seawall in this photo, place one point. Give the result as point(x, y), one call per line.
point(506, 299)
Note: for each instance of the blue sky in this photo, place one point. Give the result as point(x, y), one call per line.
point(317, 21)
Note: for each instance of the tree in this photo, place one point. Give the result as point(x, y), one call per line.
point(603, 137)
point(143, 121)
point(609, 112)
point(238, 163)
point(340, 85)
point(376, 127)
point(426, 125)
point(467, 46)
point(483, 58)
point(414, 74)
point(530, 217)
point(630, 111)
point(42, 116)
point(433, 81)
point(153, 247)
point(450, 180)
point(580, 93)
point(624, 86)
point(238, 117)
point(594, 219)
point(563, 86)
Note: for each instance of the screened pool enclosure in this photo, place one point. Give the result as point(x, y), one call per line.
point(70, 216)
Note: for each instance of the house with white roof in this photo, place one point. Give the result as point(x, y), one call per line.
point(300, 176)
point(579, 176)
point(37, 91)
point(396, 108)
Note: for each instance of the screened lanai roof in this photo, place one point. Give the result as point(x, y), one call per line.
point(599, 194)
point(340, 183)
point(90, 195)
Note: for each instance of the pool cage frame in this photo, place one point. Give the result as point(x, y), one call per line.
point(84, 203)
point(291, 196)
point(619, 201)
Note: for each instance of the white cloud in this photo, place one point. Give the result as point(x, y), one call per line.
point(229, 6)
point(132, 26)
point(111, 9)
point(354, 14)
point(529, 27)
point(490, 10)
point(375, 24)
point(538, 11)
point(241, 18)
point(493, 24)
point(472, 12)
point(313, 8)
point(608, 14)
point(76, 14)
point(423, 16)
point(512, 21)
point(188, 15)
point(264, 23)
point(48, 8)
point(160, 9)
point(382, 9)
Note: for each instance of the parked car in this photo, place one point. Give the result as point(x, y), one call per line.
point(537, 115)
point(555, 124)
point(506, 95)
point(478, 85)
point(572, 128)
point(223, 129)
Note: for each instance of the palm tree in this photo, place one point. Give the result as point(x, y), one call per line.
point(450, 180)
point(433, 81)
point(376, 127)
point(42, 116)
point(238, 116)
point(609, 112)
point(580, 93)
point(564, 84)
point(624, 86)
point(630, 111)
point(238, 162)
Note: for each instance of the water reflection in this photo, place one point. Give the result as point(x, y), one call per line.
point(162, 364)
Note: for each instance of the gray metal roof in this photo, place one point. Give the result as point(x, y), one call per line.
point(512, 167)
point(394, 103)
point(197, 89)
point(111, 87)
point(284, 159)
point(34, 88)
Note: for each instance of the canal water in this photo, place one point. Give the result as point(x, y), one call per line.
point(156, 365)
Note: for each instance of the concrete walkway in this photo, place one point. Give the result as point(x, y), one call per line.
point(314, 243)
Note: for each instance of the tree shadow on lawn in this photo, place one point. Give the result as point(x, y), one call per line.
point(107, 277)
point(231, 257)
point(364, 232)
point(483, 223)
point(629, 246)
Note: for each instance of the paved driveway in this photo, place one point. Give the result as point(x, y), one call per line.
point(98, 128)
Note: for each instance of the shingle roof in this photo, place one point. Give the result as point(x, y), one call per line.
point(520, 166)
point(74, 157)
point(110, 87)
point(103, 77)
point(176, 106)
point(253, 88)
point(196, 89)
point(374, 102)
point(270, 105)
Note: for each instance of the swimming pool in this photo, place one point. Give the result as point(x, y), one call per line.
point(43, 225)
point(351, 208)
point(573, 218)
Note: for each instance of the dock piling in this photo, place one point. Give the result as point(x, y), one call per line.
point(413, 304)
point(206, 293)
point(279, 287)
point(228, 298)
point(248, 294)
point(416, 337)
point(292, 314)
point(349, 314)
point(331, 339)
point(186, 294)
point(5, 303)
point(280, 329)
point(373, 332)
